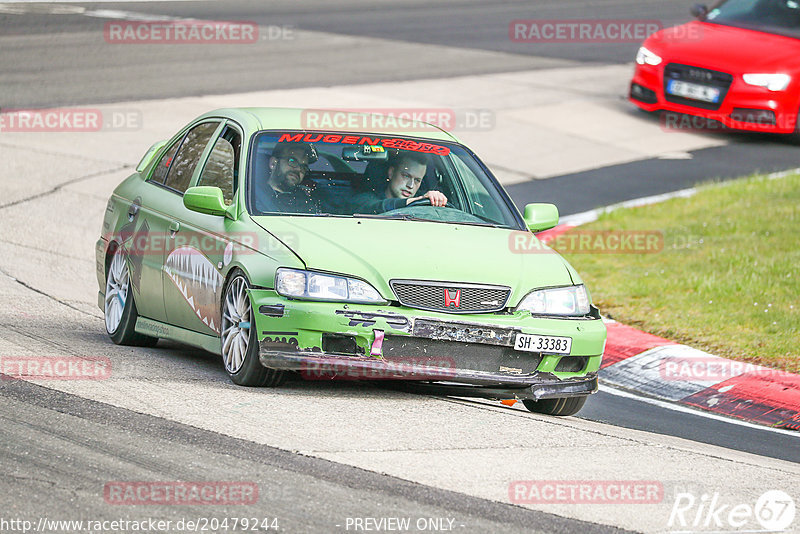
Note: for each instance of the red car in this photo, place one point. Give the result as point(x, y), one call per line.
point(738, 64)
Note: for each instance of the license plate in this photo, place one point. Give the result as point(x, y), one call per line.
point(551, 344)
point(693, 91)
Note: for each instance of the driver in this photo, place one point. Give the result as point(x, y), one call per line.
point(404, 178)
point(282, 191)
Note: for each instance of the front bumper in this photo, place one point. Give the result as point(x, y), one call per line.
point(744, 107)
point(456, 382)
point(465, 355)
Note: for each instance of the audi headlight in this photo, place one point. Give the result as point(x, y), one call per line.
point(299, 284)
point(646, 57)
point(773, 82)
point(570, 300)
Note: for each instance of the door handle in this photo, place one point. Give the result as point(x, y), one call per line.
point(173, 228)
point(134, 209)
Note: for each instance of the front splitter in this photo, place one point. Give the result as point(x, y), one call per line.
point(440, 380)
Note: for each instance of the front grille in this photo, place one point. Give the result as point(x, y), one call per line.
point(450, 297)
point(709, 78)
point(425, 354)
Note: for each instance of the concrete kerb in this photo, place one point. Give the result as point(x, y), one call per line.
point(659, 368)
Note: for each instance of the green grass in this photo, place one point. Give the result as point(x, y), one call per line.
point(727, 280)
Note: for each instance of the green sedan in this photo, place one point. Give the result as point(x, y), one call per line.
point(368, 249)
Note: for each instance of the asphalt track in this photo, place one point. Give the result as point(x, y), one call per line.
point(56, 60)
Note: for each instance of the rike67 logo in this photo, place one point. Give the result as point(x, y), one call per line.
point(774, 511)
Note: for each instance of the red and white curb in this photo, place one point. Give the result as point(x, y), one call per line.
point(662, 369)
point(656, 367)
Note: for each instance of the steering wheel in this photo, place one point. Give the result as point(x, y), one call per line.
point(427, 202)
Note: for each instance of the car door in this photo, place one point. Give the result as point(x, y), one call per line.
point(201, 246)
point(142, 229)
point(169, 179)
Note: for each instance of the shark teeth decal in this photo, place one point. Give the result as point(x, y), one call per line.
point(198, 281)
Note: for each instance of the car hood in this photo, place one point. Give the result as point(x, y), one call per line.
point(382, 250)
point(726, 48)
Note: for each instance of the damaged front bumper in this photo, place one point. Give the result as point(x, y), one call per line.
point(462, 356)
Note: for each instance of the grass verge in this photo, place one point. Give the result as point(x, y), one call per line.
point(725, 278)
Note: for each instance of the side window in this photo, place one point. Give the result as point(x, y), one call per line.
point(222, 167)
point(480, 200)
point(161, 169)
point(184, 163)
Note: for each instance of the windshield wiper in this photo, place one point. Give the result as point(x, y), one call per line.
point(407, 217)
point(486, 224)
point(401, 216)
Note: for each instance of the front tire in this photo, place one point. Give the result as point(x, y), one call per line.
point(239, 340)
point(560, 407)
point(120, 310)
point(794, 137)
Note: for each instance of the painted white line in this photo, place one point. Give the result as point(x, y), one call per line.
point(61, 9)
point(590, 216)
point(782, 174)
point(694, 411)
point(87, 1)
point(586, 217)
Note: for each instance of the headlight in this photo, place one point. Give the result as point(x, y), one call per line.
point(646, 57)
point(318, 286)
point(773, 82)
point(571, 300)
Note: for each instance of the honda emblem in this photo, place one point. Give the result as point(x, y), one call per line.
point(450, 298)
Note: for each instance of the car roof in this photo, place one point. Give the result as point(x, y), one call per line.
point(327, 120)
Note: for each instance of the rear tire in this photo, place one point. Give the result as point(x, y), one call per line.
point(560, 407)
point(120, 309)
point(239, 340)
point(794, 137)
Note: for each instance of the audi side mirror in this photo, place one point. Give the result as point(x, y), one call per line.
point(699, 11)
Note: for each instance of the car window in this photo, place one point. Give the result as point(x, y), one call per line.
point(779, 16)
point(479, 199)
point(185, 161)
point(221, 169)
point(372, 176)
point(162, 168)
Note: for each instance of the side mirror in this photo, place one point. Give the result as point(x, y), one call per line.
point(699, 11)
point(540, 217)
point(205, 199)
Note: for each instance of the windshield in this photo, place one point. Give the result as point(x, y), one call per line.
point(360, 175)
point(774, 16)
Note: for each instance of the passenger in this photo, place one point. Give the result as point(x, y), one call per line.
point(404, 178)
point(288, 165)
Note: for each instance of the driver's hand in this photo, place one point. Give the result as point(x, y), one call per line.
point(437, 198)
